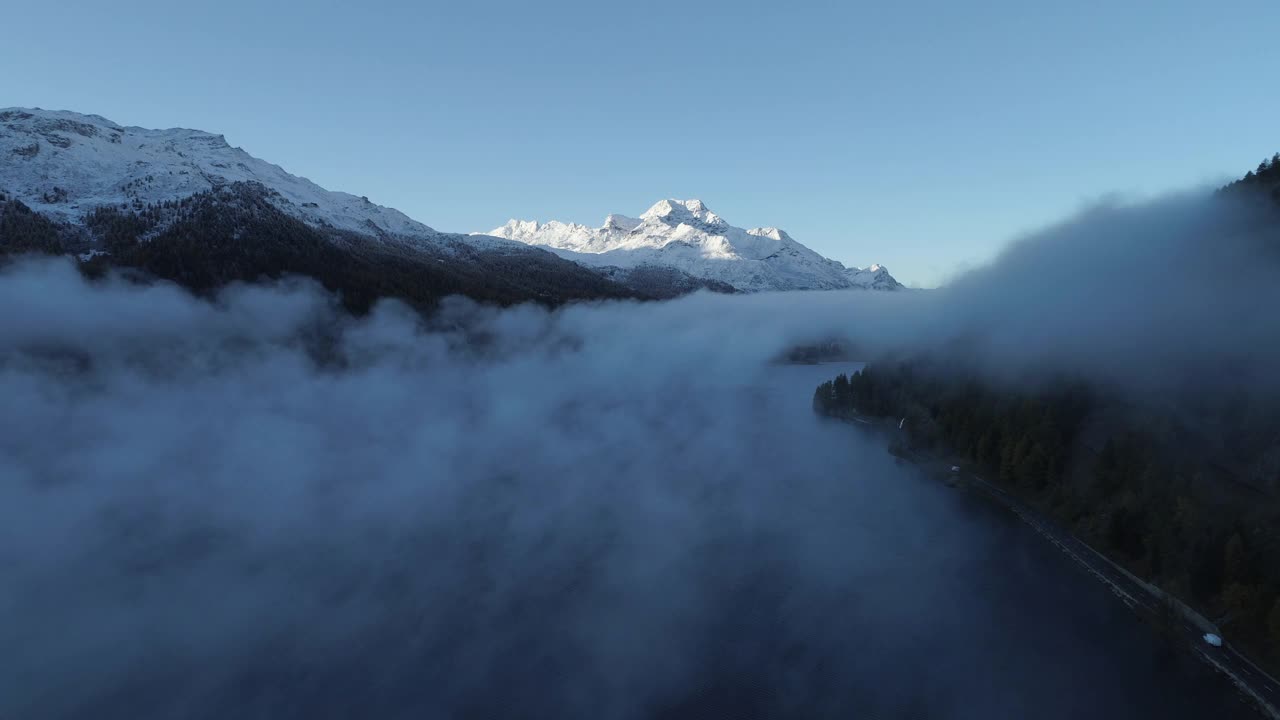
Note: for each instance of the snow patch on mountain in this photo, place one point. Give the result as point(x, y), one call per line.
point(688, 236)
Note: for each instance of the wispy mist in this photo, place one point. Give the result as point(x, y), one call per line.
point(520, 512)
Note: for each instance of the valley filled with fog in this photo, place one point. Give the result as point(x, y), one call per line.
point(260, 506)
point(605, 512)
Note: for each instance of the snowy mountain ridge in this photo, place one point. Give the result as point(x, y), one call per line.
point(68, 167)
point(686, 235)
point(184, 206)
point(65, 164)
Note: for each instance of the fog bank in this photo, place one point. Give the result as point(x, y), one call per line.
point(260, 507)
point(241, 507)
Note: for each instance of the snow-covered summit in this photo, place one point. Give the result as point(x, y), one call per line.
point(621, 222)
point(688, 236)
point(675, 212)
point(65, 164)
point(873, 277)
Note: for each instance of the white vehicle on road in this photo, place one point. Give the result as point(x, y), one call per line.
point(1214, 640)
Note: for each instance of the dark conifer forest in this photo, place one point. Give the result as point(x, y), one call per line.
point(1189, 504)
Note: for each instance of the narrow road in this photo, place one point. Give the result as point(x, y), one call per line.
point(1134, 593)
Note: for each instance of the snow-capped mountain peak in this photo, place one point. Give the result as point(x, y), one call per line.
point(675, 212)
point(620, 223)
point(65, 164)
point(872, 277)
point(688, 236)
point(770, 232)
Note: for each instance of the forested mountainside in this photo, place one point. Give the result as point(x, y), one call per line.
point(1186, 496)
point(233, 233)
point(1182, 488)
point(1263, 180)
point(184, 205)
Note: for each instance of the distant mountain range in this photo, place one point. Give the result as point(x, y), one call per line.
point(186, 206)
point(687, 236)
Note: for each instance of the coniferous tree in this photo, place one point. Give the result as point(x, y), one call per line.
point(841, 393)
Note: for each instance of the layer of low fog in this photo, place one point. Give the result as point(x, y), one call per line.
point(258, 508)
point(1155, 296)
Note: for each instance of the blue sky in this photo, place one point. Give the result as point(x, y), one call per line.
point(921, 135)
